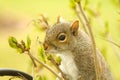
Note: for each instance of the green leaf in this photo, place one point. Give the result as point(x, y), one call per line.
point(41, 54)
point(106, 27)
point(58, 60)
point(78, 1)
point(86, 3)
point(91, 12)
point(28, 42)
point(39, 77)
point(12, 42)
point(19, 50)
point(49, 56)
point(72, 4)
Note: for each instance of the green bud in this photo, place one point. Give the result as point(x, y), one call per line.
point(49, 56)
point(78, 1)
point(19, 50)
point(41, 54)
point(28, 42)
point(72, 4)
point(13, 42)
point(58, 60)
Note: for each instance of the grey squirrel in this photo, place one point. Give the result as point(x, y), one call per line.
point(75, 49)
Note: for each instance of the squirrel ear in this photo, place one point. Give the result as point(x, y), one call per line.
point(60, 19)
point(74, 27)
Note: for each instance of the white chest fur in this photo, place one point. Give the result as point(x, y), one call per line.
point(68, 66)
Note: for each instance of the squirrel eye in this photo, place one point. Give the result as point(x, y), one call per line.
point(62, 37)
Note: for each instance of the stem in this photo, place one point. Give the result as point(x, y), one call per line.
point(110, 41)
point(93, 41)
point(46, 66)
point(28, 52)
point(80, 18)
point(54, 63)
point(113, 47)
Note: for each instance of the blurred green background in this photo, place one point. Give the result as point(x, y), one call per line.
point(16, 17)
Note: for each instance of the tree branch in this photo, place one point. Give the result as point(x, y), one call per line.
point(93, 41)
point(55, 64)
point(35, 65)
point(80, 18)
point(46, 66)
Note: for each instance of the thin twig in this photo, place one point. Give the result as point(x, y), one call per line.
point(54, 63)
point(113, 43)
point(44, 20)
point(80, 18)
point(46, 66)
point(109, 39)
point(28, 52)
point(93, 41)
point(113, 47)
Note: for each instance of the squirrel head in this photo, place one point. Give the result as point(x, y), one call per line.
point(61, 37)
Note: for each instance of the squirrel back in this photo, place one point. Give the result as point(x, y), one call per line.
point(85, 57)
point(75, 49)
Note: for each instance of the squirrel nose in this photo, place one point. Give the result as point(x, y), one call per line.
point(45, 45)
